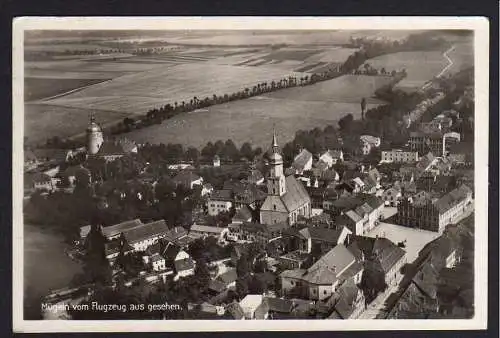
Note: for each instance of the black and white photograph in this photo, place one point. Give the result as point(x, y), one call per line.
point(173, 170)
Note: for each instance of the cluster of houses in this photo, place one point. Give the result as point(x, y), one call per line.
point(313, 221)
point(422, 107)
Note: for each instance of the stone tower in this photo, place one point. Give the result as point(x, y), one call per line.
point(276, 182)
point(94, 136)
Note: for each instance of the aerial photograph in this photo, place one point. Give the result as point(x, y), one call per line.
point(248, 174)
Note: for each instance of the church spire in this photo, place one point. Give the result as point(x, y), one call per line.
point(275, 141)
point(275, 147)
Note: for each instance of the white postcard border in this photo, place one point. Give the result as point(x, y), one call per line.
point(481, 46)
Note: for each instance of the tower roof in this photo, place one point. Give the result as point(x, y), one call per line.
point(274, 153)
point(93, 126)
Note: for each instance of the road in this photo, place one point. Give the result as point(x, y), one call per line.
point(450, 63)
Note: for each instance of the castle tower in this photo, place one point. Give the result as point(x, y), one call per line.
point(94, 136)
point(276, 182)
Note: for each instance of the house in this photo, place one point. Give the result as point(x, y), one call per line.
point(74, 173)
point(41, 181)
point(399, 156)
point(461, 153)
point(203, 231)
point(220, 201)
point(331, 157)
point(322, 240)
point(184, 265)
point(302, 162)
point(246, 194)
point(287, 199)
point(234, 311)
point(423, 142)
point(380, 255)
point(187, 179)
point(349, 301)
point(158, 262)
point(110, 150)
point(207, 189)
point(242, 215)
point(216, 161)
point(368, 142)
point(113, 248)
point(255, 177)
point(255, 232)
point(274, 308)
point(392, 195)
point(423, 212)
point(361, 217)
point(250, 304)
point(324, 277)
point(113, 231)
point(227, 279)
point(142, 236)
point(294, 260)
point(426, 162)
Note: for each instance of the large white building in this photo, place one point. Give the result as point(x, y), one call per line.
point(399, 156)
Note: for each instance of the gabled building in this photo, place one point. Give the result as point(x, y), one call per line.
point(287, 198)
point(349, 301)
point(187, 179)
point(220, 201)
point(331, 157)
point(302, 162)
point(380, 256)
point(368, 142)
point(324, 277)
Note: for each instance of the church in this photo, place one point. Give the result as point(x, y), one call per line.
point(109, 150)
point(287, 199)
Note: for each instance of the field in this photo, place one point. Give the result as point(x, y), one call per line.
point(139, 92)
point(112, 79)
point(289, 109)
point(345, 89)
point(43, 121)
point(420, 66)
point(39, 88)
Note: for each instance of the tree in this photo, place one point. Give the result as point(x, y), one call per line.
point(202, 272)
point(242, 267)
point(209, 150)
point(230, 151)
point(192, 154)
point(241, 287)
point(246, 151)
point(346, 122)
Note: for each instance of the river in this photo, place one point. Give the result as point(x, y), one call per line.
point(46, 267)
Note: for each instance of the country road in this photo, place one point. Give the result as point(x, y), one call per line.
point(450, 61)
point(443, 71)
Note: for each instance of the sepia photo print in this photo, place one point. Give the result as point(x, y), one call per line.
point(172, 170)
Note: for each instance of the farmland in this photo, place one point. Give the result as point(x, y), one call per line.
point(139, 92)
point(290, 109)
point(43, 121)
point(420, 66)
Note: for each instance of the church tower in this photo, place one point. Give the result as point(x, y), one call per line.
point(276, 182)
point(94, 136)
